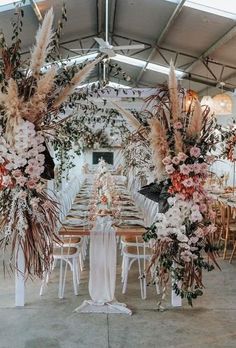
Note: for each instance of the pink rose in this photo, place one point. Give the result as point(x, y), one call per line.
point(166, 161)
point(185, 169)
point(204, 167)
point(182, 156)
point(196, 180)
point(178, 125)
point(17, 173)
point(188, 182)
point(170, 169)
point(31, 184)
point(195, 151)
point(197, 168)
point(175, 160)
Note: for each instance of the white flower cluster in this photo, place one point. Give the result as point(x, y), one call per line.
point(174, 222)
point(22, 163)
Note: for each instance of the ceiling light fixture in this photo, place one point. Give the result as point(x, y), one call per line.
point(223, 104)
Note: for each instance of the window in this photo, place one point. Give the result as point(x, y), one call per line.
point(107, 156)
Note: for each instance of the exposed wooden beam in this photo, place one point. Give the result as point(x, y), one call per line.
point(161, 37)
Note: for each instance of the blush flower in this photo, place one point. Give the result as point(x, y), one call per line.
point(170, 169)
point(188, 182)
point(184, 169)
point(166, 161)
point(17, 173)
point(195, 151)
point(31, 183)
point(178, 125)
point(175, 160)
point(196, 216)
point(204, 167)
point(197, 168)
point(182, 156)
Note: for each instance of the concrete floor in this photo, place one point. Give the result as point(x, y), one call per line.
point(49, 322)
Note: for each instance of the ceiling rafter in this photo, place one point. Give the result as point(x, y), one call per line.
point(161, 37)
point(100, 15)
point(217, 44)
point(36, 10)
point(112, 18)
point(111, 27)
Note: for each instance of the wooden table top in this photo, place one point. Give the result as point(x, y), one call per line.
point(128, 231)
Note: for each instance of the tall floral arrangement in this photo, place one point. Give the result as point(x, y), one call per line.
point(181, 141)
point(105, 197)
point(30, 100)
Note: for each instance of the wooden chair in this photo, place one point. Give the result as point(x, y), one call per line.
point(228, 226)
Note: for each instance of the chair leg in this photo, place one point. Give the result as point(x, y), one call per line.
point(81, 262)
point(74, 271)
point(123, 269)
point(225, 244)
point(232, 254)
point(78, 270)
point(126, 272)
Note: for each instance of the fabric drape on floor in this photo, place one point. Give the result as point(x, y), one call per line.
point(102, 277)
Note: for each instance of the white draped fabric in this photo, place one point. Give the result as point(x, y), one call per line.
point(102, 276)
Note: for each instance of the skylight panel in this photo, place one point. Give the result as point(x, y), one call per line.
point(224, 8)
point(7, 2)
point(143, 64)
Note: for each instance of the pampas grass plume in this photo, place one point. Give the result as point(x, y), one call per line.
point(42, 47)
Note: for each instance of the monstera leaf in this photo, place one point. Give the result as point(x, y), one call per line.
point(157, 192)
point(49, 165)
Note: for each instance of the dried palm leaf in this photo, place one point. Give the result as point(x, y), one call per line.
point(37, 240)
point(131, 119)
point(76, 80)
